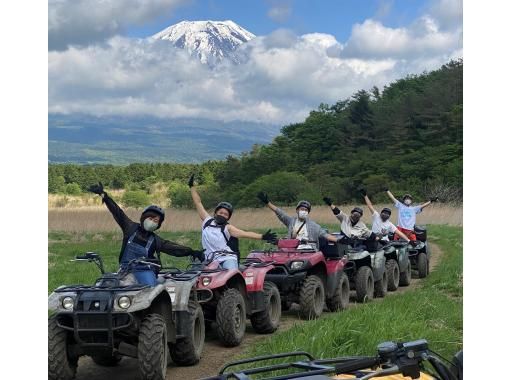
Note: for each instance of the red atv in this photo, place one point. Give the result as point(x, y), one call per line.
point(306, 276)
point(234, 294)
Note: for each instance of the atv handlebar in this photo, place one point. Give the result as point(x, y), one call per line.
point(392, 358)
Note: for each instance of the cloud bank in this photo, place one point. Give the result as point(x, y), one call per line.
point(281, 77)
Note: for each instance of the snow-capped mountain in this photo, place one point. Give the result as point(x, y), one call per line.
point(211, 41)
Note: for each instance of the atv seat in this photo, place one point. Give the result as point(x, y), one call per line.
point(421, 233)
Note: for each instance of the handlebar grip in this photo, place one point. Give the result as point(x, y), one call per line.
point(356, 365)
point(85, 257)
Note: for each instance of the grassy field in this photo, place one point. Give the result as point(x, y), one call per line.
point(64, 246)
point(433, 311)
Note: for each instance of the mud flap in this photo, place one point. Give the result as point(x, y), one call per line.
point(378, 264)
point(331, 283)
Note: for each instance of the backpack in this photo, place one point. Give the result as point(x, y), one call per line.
point(232, 243)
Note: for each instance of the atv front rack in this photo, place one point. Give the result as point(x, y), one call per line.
point(77, 288)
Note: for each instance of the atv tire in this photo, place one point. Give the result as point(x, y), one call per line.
point(311, 297)
point(267, 320)
point(340, 298)
point(364, 284)
point(187, 350)
point(381, 286)
point(422, 265)
point(231, 318)
point(60, 365)
point(153, 348)
point(393, 273)
point(405, 276)
point(107, 360)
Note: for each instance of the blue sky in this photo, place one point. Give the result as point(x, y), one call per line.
point(300, 16)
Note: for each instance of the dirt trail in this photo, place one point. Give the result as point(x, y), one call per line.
point(215, 355)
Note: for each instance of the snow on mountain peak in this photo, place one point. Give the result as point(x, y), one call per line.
point(211, 41)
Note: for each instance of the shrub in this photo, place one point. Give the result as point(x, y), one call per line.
point(136, 198)
point(72, 189)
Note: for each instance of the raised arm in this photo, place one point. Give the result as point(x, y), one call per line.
point(432, 200)
point(284, 218)
point(118, 214)
point(338, 214)
point(268, 236)
point(393, 199)
point(196, 199)
point(367, 200)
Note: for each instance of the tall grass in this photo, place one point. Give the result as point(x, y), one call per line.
point(99, 219)
point(433, 311)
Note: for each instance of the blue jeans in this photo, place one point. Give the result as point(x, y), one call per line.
point(229, 264)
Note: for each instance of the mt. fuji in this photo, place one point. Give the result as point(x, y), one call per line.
point(210, 41)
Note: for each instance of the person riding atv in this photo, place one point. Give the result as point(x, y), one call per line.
point(139, 239)
point(355, 232)
point(407, 213)
point(381, 224)
point(300, 227)
point(219, 235)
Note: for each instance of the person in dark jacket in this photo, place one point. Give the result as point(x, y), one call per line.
point(139, 239)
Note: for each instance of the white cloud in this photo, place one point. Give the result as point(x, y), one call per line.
point(280, 10)
point(281, 77)
point(83, 22)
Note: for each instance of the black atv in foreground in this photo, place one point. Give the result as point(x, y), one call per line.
point(119, 317)
point(392, 361)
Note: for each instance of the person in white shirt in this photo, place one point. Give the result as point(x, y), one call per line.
point(407, 213)
point(381, 224)
point(217, 232)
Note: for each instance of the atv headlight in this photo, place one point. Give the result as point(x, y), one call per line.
point(206, 281)
point(124, 302)
point(68, 303)
point(296, 265)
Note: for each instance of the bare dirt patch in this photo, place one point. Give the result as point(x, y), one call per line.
point(215, 355)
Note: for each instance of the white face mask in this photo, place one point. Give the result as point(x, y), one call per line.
point(149, 225)
point(407, 202)
point(302, 214)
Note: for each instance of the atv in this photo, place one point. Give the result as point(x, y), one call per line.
point(117, 316)
point(236, 294)
point(307, 276)
point(398, 265)
point(420, 254)
point(366, 271)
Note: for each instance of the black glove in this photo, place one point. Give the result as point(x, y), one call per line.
point(328, 201)
point(434, 199)
point(190, 181)
point(263, 197)
point(363, 192)
point(336, 211)
point(97, 189)
point(414, 243)
point(270, 237)
point(386, 188)
point(199, 255)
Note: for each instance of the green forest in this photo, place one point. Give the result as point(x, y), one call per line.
point(406, 136)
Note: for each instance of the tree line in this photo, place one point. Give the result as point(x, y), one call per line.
point(406, 136)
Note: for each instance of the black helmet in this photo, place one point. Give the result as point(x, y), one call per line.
point(357, 209)
point(407, 196)
point(387, 210)
point(227, 206)
point(304, 204)
point(153, 209)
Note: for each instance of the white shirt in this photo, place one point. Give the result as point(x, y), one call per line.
point(302, 235)
point(382, 227)
point(407, 215)
point(213, 240)
point(359, 230)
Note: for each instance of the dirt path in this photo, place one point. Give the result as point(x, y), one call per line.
point(215, 355)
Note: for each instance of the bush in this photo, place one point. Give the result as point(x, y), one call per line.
point(136, 198)
point(72, 189)
point(179, 195)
